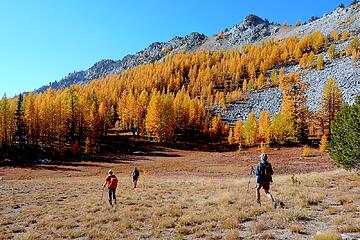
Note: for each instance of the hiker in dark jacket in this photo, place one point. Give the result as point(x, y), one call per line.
point(135, 176)
point(264, 172)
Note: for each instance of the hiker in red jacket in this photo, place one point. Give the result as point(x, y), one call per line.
point(111, 182)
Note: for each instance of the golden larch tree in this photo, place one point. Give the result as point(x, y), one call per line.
point(331, 102)
point(153, 116)
point(264, 127)
point(250, 130)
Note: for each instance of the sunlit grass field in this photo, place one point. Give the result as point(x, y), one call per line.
point(325, 205)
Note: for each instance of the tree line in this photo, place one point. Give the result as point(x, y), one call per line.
point(160, 100)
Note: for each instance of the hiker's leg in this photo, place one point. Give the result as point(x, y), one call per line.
point(114, 195)
point(258, 187)
point(270, 196)
point(135, 182)
point(110, 196)
point(267, 190)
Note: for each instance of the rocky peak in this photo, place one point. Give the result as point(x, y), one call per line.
point(252, 29)
point(253, 20)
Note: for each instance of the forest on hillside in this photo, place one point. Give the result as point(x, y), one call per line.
point(160, 101)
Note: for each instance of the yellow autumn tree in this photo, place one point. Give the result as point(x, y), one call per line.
point(250, 130)
point(320, 63)
point(238, 132)
point(331, 51)
point(323, 143)
point(317, 41)
point(167, 126)
point(282, 129)
point(231, 137)
point(245, 86)
point(334, 35)
point(281, 77)
point(331, 102)
point(260, 81)
point(264, 127)
point(310, 60)
point(31, 118)
point(274, 77)
point(293, 108)
point(153, 116)
point(303, 61)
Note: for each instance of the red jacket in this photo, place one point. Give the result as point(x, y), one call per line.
point(111, 181)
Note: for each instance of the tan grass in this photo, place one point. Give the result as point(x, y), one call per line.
point(177, 207)
point(327, 236)
point(295, 228)
point(350, 228)
point(232, 235)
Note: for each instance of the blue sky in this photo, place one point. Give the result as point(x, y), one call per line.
point(43, 40)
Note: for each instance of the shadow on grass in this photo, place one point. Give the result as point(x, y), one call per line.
point(123, 149)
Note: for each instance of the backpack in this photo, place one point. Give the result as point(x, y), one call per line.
point(113, 182)
point(266, 171)
point(135, 173)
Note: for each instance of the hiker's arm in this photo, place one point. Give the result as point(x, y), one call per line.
point(106, 180)
point(257, 170)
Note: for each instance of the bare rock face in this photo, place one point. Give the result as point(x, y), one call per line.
point(263, 100)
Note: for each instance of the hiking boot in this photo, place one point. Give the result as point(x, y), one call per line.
point(258, 202)
point(274, 203)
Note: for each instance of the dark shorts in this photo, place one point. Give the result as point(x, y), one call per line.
point(264, 185)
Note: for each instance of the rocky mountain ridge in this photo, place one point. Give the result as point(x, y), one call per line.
point(154, 52)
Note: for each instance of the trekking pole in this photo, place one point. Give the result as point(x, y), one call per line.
point(251, 171)
point(102, 194)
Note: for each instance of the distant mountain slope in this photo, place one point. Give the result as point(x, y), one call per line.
point(252, 29)
point(153, 52)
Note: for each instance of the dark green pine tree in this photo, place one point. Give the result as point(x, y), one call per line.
point(344, 146)
point(19, 136)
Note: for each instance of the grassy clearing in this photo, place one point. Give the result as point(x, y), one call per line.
point(178, 207)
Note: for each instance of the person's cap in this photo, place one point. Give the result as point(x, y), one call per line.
point(110, 171)
point(263, 156)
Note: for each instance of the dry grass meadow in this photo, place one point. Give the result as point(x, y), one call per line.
point(182, 195)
